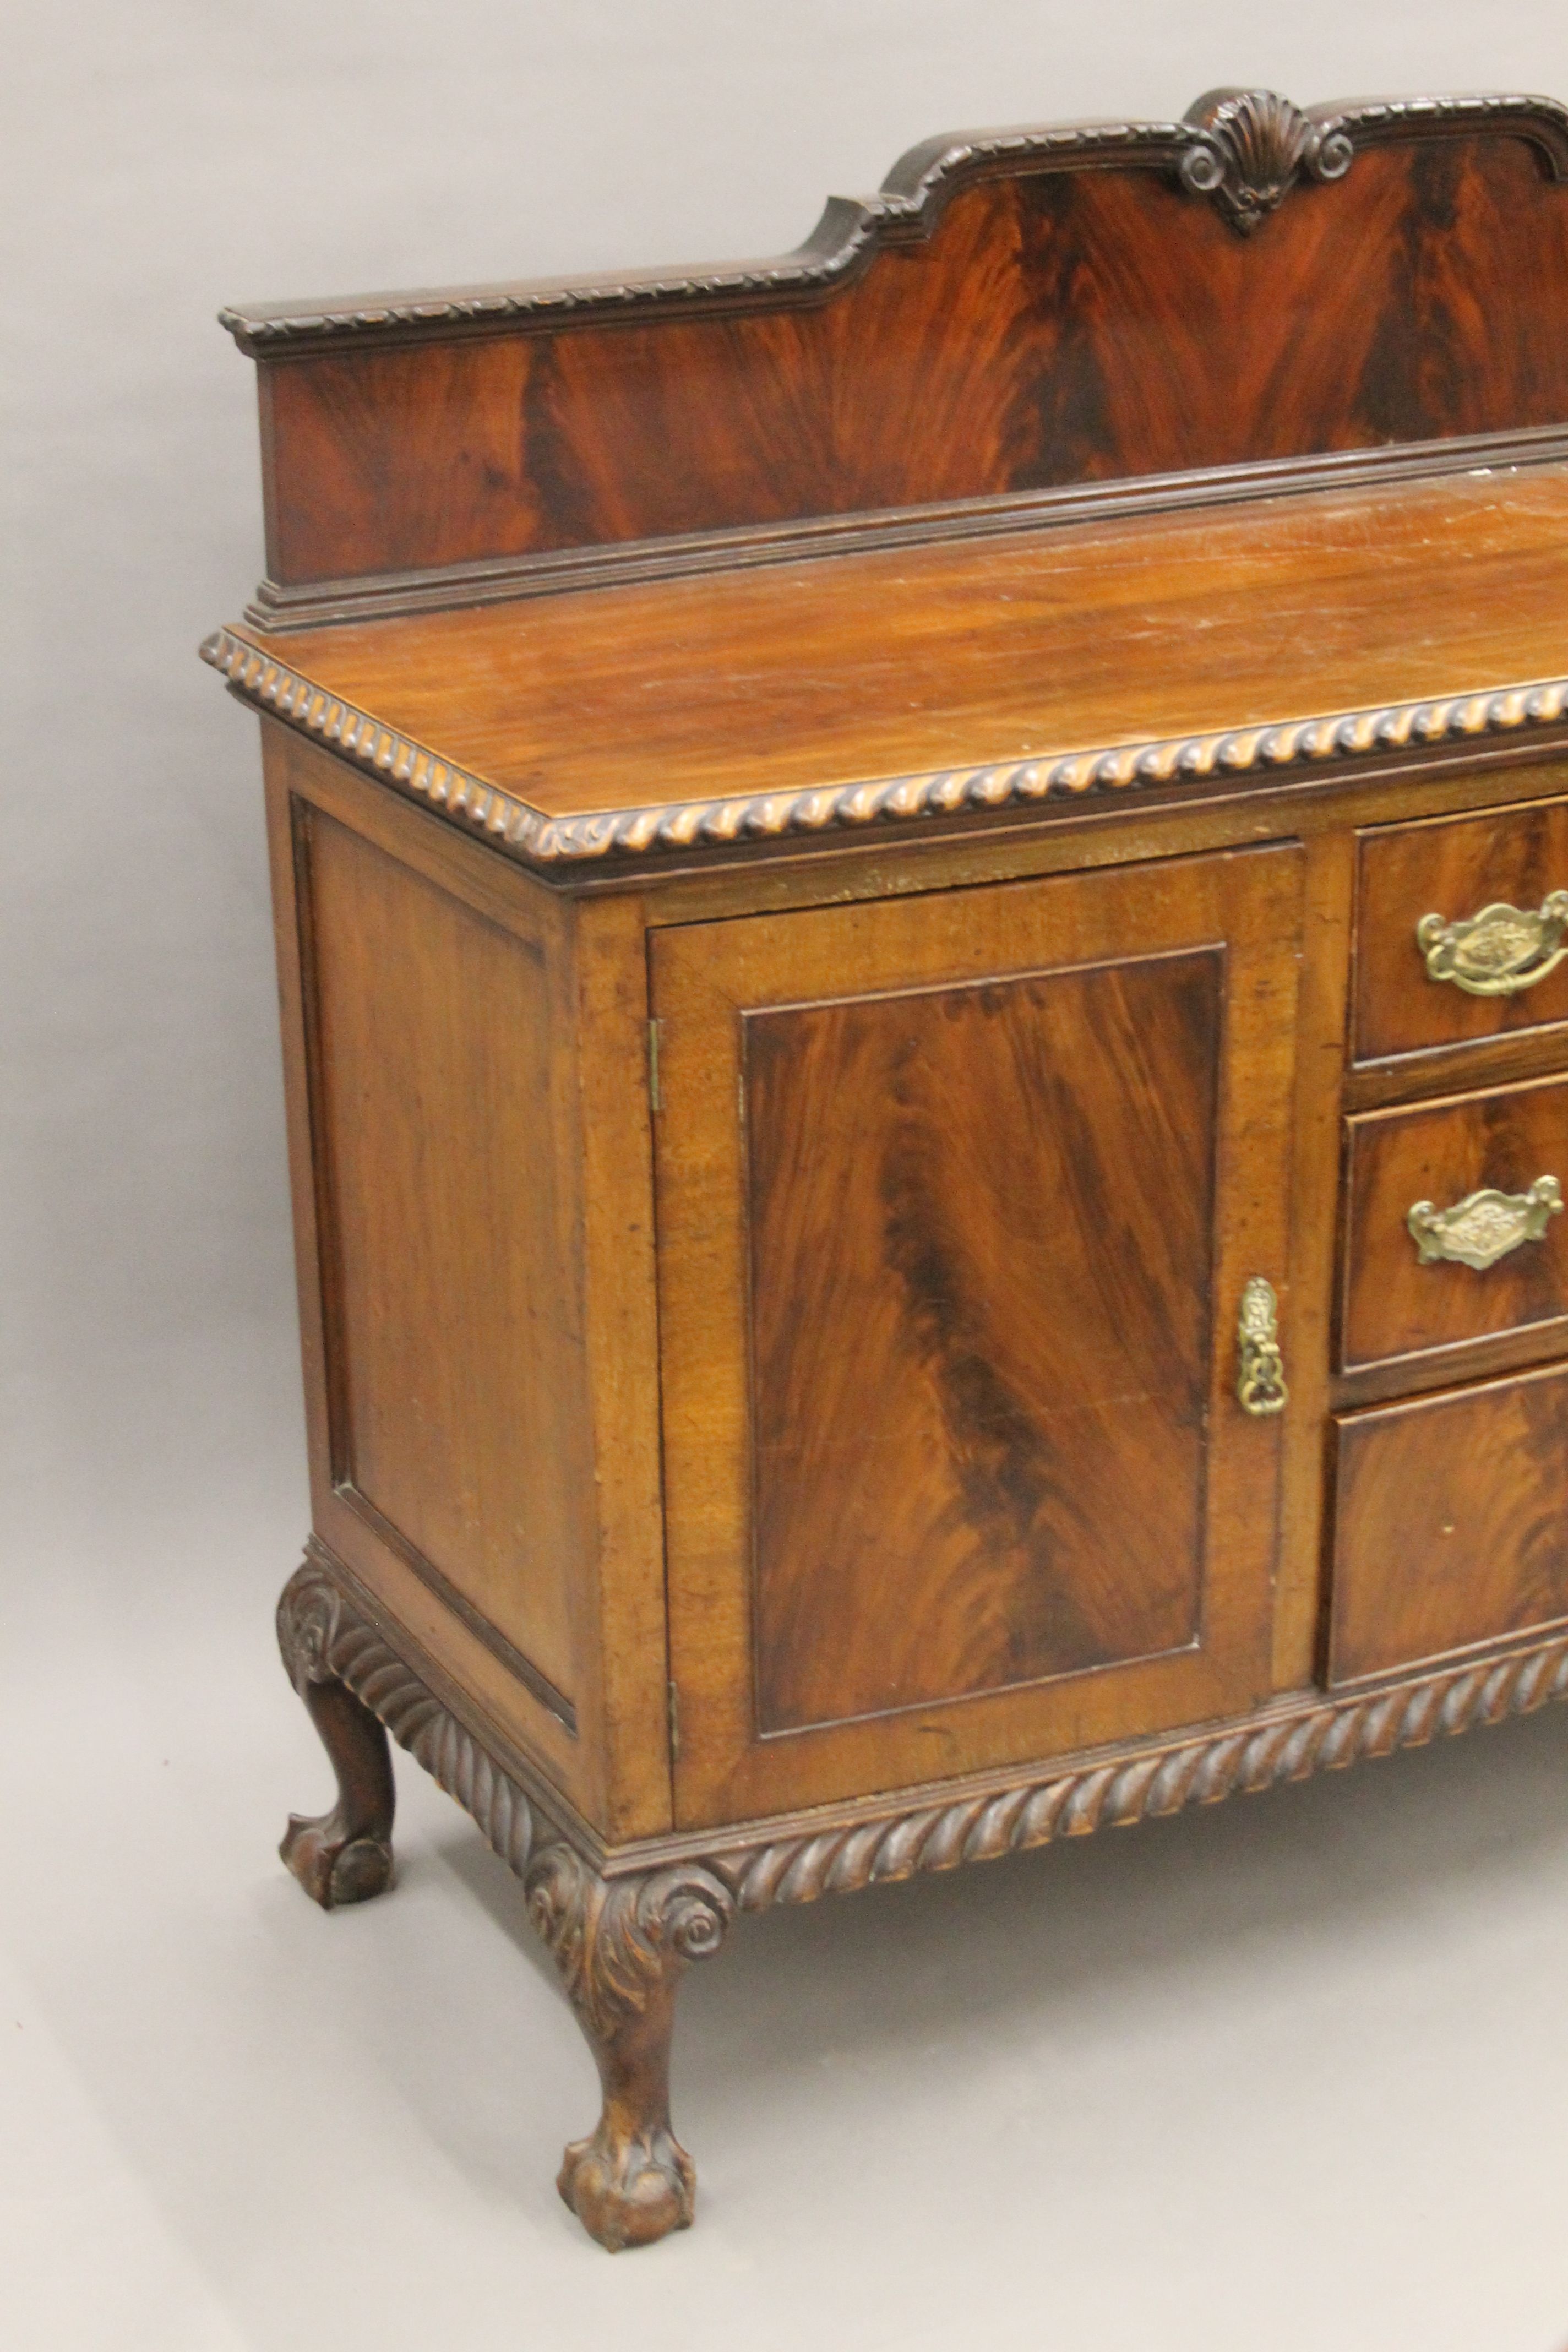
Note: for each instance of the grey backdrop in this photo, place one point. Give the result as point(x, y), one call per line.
point(1289, 2073)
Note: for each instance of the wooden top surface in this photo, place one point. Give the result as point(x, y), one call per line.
point(732, 706)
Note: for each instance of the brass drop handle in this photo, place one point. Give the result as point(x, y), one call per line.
point(1499, 951)
point(1260, 1382)
point(1484, 1226)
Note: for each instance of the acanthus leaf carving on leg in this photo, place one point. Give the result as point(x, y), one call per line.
point(620, 1946)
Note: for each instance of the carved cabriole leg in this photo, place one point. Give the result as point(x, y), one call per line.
point(344, 1857)
point(620, 1946)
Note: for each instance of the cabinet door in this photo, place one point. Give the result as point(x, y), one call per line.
point(958, 1196)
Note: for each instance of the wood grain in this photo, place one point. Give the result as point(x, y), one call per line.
point(939, 1218)
point(770, 1320)
point(1449, 1523)
point(1442, 1152)
point(1314, 1221)
point(811, 676)
point(1064, 325)
point(1452, 867)
point(799, 1857)
point(433, 1091)
point(463, 1655)
point(590, 1152)
point(980, 1332)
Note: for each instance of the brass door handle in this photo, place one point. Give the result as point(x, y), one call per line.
point(1260, 1382)
point(1499, 951)
point(1484, 1226)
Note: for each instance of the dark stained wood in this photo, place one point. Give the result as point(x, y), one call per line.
point(1452, 867)
point(614, 1233)
point(492, 1174)
point(1110, 830)
point(815, 675)
point(1314, 1208)
point(621, 1927)
point(1063, 327)
point(1442, 1152)
point(1493, 1062)
point(433, 1040)
point(345, 1855)
point(620, 1949)
point(770, 1317)
point(301, 779)
point(981, 1335)
point(1450, 1521)
point(1518, 1351)
point(973, 1355)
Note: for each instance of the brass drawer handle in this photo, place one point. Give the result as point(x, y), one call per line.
point(1260, 1383)
point(1484, 1227)
point(1499, 951)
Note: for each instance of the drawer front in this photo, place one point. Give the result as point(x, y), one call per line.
point(1450, 1522)
point(1461, 979)
point(1428, 1264)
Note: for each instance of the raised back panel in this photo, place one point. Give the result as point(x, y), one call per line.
point(1015, 314)
point(981, 1333)
point(436, 1142)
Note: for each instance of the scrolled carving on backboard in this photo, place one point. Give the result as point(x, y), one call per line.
point(1253, 148)
point(1244, 148)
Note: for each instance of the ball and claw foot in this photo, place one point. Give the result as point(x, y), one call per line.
point(343, 1856)
point(621, 1946)
point(629, 2192)
point(332, 1866)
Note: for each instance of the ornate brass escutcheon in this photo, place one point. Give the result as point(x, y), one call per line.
point(1260, 1383)
point(1480, 1230)
point(1499, 951)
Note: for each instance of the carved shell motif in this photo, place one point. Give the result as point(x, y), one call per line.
point(1252, 149)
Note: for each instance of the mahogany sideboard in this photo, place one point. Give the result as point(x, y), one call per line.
point(923, 918)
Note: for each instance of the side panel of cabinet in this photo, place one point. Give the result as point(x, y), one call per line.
point(456, 1331)
point(465, 1367)
point(957, 1197)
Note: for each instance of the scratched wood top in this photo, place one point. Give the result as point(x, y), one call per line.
point(887, 663)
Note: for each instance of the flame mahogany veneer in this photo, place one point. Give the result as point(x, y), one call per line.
point(849, 836)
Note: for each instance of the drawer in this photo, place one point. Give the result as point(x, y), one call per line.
point(1505, 867)
point(1450, 1522)
point(1464, 1268)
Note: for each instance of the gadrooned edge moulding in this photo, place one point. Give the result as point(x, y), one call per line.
point(527, 833)
point(321, 1628)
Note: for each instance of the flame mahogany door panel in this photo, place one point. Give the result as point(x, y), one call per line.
point(957, 1197)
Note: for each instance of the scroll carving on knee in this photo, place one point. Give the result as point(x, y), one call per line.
point(343, 1856)
point(620, 1946)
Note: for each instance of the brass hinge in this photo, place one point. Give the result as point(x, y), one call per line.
point(652, 1063)
point(674, 1720)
